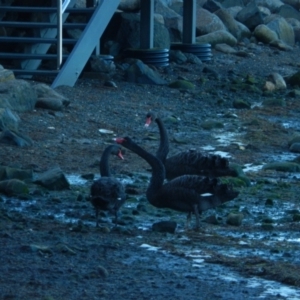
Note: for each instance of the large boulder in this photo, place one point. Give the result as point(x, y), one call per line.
point(206, 22)
point(217, 37)
point(250, 16)
point(18, 95)
point(237, 29)
point(283, 30)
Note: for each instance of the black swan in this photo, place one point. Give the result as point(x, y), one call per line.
point(107, 193)
point(184, 193)
point(190, 162)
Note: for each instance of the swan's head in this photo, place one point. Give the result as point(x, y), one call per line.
point(122, 140)
point(149, 118)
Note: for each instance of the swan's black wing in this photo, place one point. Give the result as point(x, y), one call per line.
point(184, 192)
point(194, 162)
point(107, 194)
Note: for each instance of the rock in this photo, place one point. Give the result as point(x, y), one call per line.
point(128, 35)
point(207, 22)
point(240, 104)
point(295, 147)
point(6, 75)
point(274, 102)
point(269, 86)
point(282, 166)
point(18, 95)
point(278, 80)
point(212, 124)
point(294, 139)
point(280, 45)
point(288, 11)
point(14, 173)
point(12, 187)
point(48, 98)
point(283, 30)
point(182, 85)
point(177, 56)
point(164, 226)
point(294, 80)
point(9, 119)
point(237, 29)
point(140, 73)
point(264, 34)
point(172, 20)
point(250, 16)
point(235, 219)
point(129, 5)
point(102, 65)
point(15, 138)
point(217, 37)
point(272, 5)
point(53, 179)
point(225, 49)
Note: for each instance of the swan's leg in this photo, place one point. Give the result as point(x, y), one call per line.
point(197, 216)
point(97, 215)
point(188, 220)
point(116, 218)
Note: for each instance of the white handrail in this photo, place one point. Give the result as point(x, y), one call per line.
point(59, 31)
point(65, 5)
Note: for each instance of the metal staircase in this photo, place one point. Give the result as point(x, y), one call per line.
point(29, 33)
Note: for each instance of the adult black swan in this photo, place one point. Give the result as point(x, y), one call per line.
point(107, 193)
point(184, 193)
point(190, 161)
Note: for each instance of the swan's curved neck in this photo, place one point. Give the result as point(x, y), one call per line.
point(158, 170)
point(104, 167)
point(163, 149)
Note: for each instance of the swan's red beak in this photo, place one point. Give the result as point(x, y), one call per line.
point(119, 140)
point(148, 121)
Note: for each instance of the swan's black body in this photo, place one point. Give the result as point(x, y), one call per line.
point(107, 193)
point(182, 193)
point(190, 161)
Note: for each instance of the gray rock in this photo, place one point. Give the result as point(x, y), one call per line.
point(15, 138)
point(53, 179)
point(18, 95)
point(295, 147)
point(129, 5)
point(140, 73)
point(8, 119)
point(12, 187)
point(217, 37)
point(264, 34)
point(235, 219)
point(237, 29)
point(177, 56)
point(164, 226)
point(14, 173)
point(225, 49)
point(282, 166)
point(250, 16)
point(6, 75)
point(287, 11)
point(283, 30)
point(207, 22)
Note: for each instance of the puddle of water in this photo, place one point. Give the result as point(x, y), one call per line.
point(228, 138)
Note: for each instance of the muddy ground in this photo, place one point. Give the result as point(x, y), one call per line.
point(50, 246)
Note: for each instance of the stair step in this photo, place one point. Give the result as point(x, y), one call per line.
point(35, 72)
point(34, 40)
point(4, 55)
point(41, 25)
point(34, 9)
